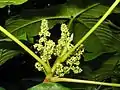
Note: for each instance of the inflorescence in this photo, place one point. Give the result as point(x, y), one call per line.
point(47, 48)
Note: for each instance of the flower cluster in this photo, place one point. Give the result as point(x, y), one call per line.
point(64, 43)
point(72, 63)
point(47, 48)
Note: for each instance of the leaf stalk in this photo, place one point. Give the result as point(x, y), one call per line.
point(56, 79)
point(47, 68)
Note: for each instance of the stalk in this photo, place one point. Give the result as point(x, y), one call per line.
point(56, 79)
point(46, 67)
point(62, 59)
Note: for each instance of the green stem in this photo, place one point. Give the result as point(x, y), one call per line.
point(63, 58)
point(47, 68)
point(56, 79)
point(92, 29)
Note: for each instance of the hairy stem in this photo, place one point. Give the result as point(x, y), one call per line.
point(47, 68)
point(56, 79)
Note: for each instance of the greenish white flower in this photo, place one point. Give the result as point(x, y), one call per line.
point(38, 66)
point(72, 63)
point(64, 43)
point(47, 48)
point(76, 69)
point(44, 28)
point(59, 70)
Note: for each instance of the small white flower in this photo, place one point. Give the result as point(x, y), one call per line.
point(38, 66)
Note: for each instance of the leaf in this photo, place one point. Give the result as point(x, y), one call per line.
point(3, 3)
point(49, 86)
point(18, 26)
point(103, 69)
point(89, 8)
point(87, 12)
point(8, 50)
point(103, 40)
point(30, 24)
point(107, 68)
point(7, 54)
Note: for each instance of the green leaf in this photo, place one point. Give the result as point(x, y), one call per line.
point(56, 14)
point(89, 8)
point(3, 3)
point(49, 86)
point(88, 13)
point(26, 27)
point(2, 88)
point(103, 40)
point(106, 69)
point(8, 50)
point(7, 54)
point(103, 69)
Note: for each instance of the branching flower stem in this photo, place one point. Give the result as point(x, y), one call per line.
point(47, 68)
point(63, 58)
point(56, 79)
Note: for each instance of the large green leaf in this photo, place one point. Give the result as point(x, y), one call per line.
point(3, 3)
point(28, 27)
point(49, 86)
point(103, 40)
point(89, 8)
point(30, 24)
point(103, 68)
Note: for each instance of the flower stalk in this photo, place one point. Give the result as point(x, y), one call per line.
point(46, 67)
